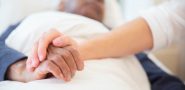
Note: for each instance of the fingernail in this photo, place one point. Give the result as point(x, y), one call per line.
point(61, 76)
point(68, 78)
point(57, 42)
point(41, 57)
point(33, 63)
point(65, 80)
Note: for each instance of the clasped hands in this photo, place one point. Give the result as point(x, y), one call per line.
point(54, 54)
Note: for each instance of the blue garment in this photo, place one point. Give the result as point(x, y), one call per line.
point(159, 79)
point(8, 55)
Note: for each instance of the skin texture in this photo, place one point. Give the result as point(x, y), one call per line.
point(130, 38)
point(60, 63)
point(93, 9)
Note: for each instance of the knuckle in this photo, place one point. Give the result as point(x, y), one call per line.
point(56, 57)
point(67, 71)
point(73, 67)
point(48, 64)
point(73, 50)
point(73, 70)
point(64, 72)
point(57, 71)
point(64, 66)
point(66, 54)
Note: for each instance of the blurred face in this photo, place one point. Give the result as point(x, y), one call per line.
point(93, 9)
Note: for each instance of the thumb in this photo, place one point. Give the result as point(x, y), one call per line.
point(41, 72)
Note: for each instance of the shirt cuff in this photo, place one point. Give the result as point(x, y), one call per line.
point(160, 26)
point(8, 56)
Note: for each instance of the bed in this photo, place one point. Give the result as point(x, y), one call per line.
point(125, 73)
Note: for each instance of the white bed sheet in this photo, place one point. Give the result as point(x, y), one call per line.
point(107, 74)
point(111, 74)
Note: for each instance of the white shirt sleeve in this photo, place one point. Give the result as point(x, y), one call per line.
point(167, 23)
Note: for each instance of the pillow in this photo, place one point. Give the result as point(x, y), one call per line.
point(12, 11)
point(113, 14)
point(106, 74)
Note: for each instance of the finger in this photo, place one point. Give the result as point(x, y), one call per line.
point(62, 41)
point(28, 65)
point(49, 67)
point(44, 42)
point(70, 61)
point(55, 70)
point(35, 60)
point(63, 67)
point(76, 55)
point(41, 71)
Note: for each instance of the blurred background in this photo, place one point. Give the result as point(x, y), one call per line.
point(12, 11)
point(173, 57)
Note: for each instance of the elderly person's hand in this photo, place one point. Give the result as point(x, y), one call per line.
point(18, 72)
point(68, 60)
point(64, 61)
point(60, 62)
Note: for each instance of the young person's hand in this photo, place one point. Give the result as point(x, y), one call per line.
point(55, 38)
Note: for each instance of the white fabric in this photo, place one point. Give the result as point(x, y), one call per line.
point(12, 11)
point(167, 23)
point(133, 8)
point(106, 74)
point(113, 14)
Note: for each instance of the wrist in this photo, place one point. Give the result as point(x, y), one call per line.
point(16, 70)
point(85, 51)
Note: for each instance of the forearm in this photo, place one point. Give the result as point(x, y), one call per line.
point(130, 38)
